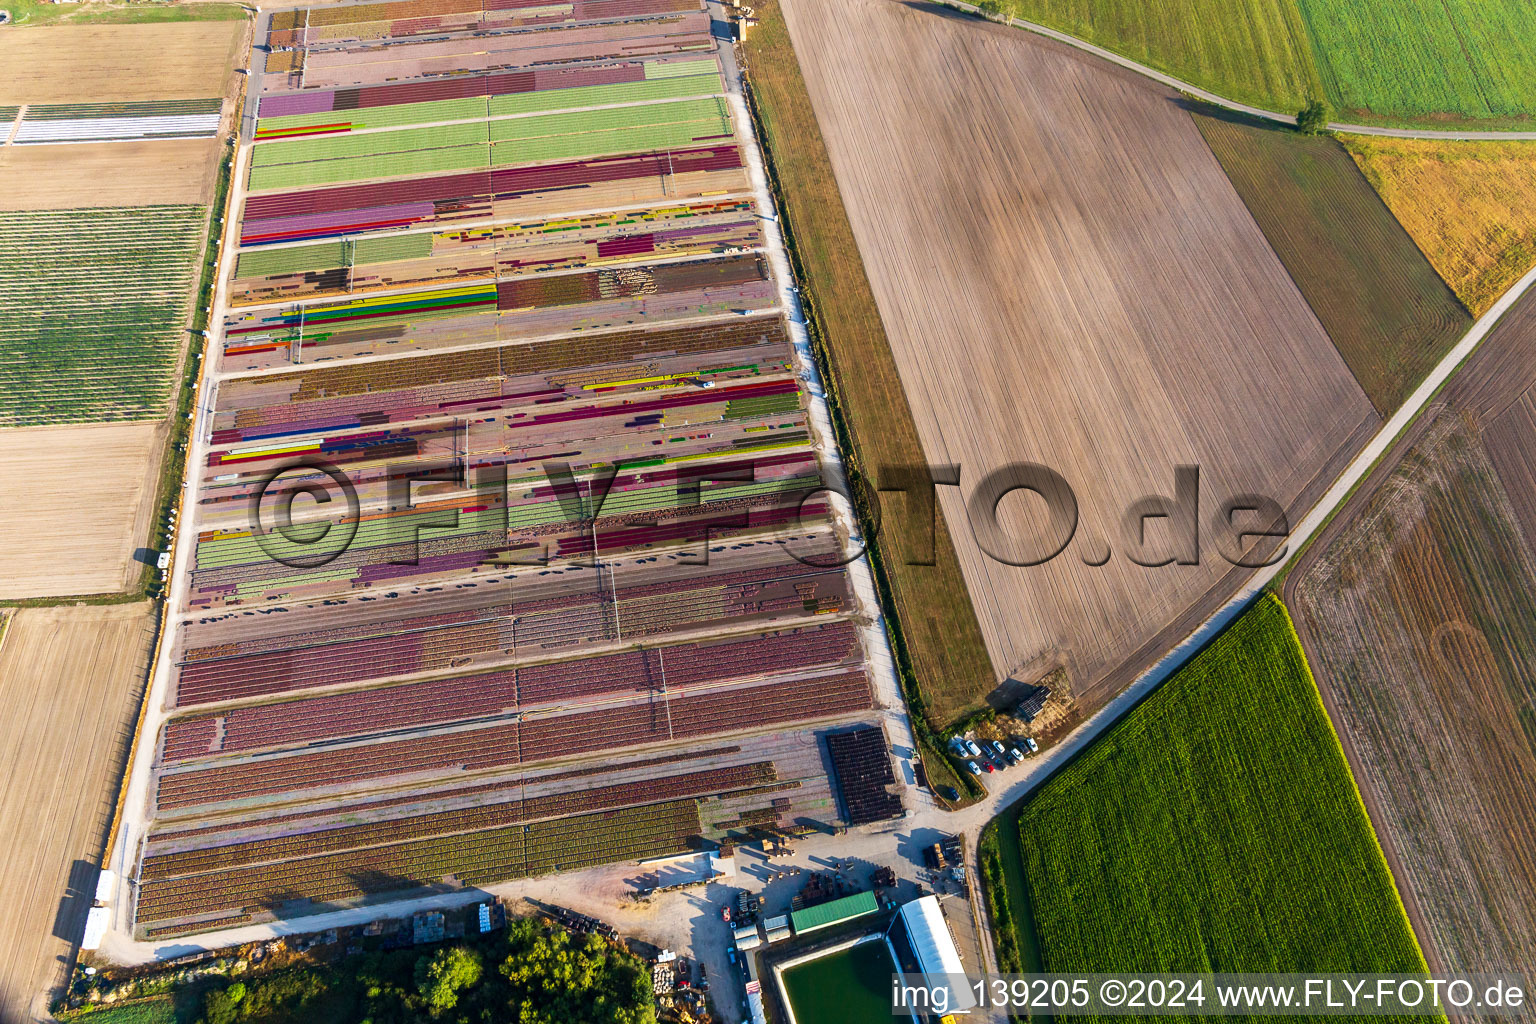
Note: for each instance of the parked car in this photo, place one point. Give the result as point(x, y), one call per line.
point(950, 793)
point(1014, 755)
point(1034, 748)
point(987, 765)
point(997, 748)
point(971, 767)
point(972, 749)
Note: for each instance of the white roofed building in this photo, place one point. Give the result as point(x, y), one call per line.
point(922, 942)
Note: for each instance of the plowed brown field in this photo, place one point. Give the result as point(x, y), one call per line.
point(119, 63)
point(1068, 278)
point(70, 680)
point(95, 174)
point(75, 506)
point(1418, 610)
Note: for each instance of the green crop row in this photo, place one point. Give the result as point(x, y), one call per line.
point(92, 309)
point(1398, 61)
point(392, 247)
point(331, 255)
point(608, 143)
point(326, 172)
point(568, 135)
point(1404, 60)
point(337, 147)
point(1216, 828)
point(579, 122)
point(292, 260)
point(702, 78)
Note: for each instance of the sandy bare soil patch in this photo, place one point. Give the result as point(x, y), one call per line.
point(75, 507)
point(107, 63)
point(70, 680)
point(1068, 278)
point(108, 174)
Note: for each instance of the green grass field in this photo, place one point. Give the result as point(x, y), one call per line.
point(42, 12)
point(1418, 62)
point(1426, 60)
point(566, 135)
point(1216, 828)
point(1253, 51)
point(1388, 312)
point(93, 311)
point(160, 1010)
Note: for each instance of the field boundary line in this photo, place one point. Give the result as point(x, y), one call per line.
point(1449, 134)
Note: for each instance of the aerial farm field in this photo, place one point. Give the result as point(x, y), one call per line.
point(112, 12)
point(1252, 51)
point(1215, 828)
point(579, 322)
point(1084, 290)
point(1416, 607)
point(64, 530)
point(1468, 205)
point(94, 310)
point(1398, 61)
point(1437, 64)
point(89, 175)
point(69, 681)
point(107, 173)
point(119, 63)
point(1380, 300)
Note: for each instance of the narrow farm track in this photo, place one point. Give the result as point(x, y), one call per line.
point(1222, 101)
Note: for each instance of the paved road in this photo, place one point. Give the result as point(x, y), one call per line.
point(1222, 101)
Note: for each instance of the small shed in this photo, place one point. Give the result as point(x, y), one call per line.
point(777, 928)
point(96, 923)
point(747, 937)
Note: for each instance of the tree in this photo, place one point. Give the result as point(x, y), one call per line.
point(1313, 118)
point(554, 979)
point(1001, 10)
point(442, 977)
point(223, 1006)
